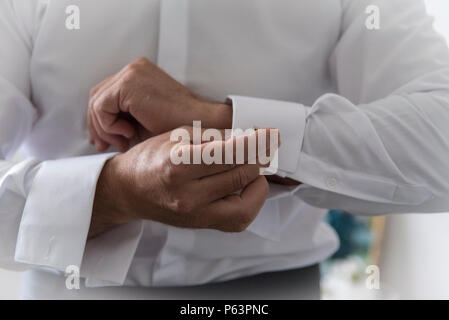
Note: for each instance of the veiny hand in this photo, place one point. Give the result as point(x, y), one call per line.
point(142, 94)
point(143, 183)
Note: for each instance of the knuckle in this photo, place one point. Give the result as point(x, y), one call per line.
point(97, 104)
point(92, 92)
point(182, 204)
point(91, 102)
point(142, 60)
point(132, 67)
point(136, 65)
point(129, 73)
point(172, 173)
point(128, 77)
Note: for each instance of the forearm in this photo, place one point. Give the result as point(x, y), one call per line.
point(212, 115)
point(108, 208)
point(394, 158)
point(102, 210)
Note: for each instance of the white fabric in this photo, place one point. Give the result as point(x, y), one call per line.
point(289, 117)
point(375, 139)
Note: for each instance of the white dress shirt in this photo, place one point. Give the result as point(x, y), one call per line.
point(363, 116)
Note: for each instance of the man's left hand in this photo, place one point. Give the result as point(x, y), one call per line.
point(143, 95)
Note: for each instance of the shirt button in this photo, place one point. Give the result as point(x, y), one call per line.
point(332, 182)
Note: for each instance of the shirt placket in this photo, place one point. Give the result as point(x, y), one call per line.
point(170, 267)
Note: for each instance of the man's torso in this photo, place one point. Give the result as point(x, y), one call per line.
point(260, 48)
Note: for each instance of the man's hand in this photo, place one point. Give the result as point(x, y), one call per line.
point(142, 94)
point(143, 183)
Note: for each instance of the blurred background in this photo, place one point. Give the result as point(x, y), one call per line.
point(411, 251)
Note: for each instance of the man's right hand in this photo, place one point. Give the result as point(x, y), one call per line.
point(143, 183)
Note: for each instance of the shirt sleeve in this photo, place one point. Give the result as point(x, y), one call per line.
point(46, 206)
point(380, 145)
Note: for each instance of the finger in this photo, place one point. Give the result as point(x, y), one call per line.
point(92, 133)
point(93, 95)
point(98, 90)
point(95, 89)
point(120, 127)
point(240, 150)
point(105, 103)
point(100, 144)
point(235, 213)
point(94, 138)
point(119, 142)
point(107, 110)
point(218, 186)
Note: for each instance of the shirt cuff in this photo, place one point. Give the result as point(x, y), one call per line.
point(288, 117)
point(56, 220)
point(108, 256)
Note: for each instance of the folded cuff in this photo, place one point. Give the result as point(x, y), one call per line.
point(57, 212)
point(288, 117)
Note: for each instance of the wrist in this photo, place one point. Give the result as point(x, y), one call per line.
point(109, 203)
point(212, 114)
